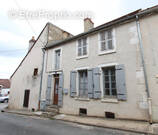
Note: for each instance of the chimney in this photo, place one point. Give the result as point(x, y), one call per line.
point(65, 34)
point(31, 42)
point(88, 24)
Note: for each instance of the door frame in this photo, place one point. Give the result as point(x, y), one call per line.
point(55, 95)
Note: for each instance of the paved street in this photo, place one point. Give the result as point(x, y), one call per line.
point(11, 124)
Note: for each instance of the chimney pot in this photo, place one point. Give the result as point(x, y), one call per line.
point(31, 42)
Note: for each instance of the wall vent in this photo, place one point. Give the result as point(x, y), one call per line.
point(110, 115)
point(82, 111)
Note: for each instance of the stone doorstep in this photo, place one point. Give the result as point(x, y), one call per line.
point(126, 125)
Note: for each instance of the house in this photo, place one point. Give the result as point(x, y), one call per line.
point(107, 71)
point(4, 86)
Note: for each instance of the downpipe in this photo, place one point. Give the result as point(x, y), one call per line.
point(39, 100)
point(149, 99)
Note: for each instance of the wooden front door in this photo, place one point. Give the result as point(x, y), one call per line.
point(26, 98)
point(56, 87)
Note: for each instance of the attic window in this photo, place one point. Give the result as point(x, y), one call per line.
point(35, 73)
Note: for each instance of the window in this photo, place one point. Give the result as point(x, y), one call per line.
point(83, 84)
point(82, 47)
point(35, 73)
point(109, 81)
point(106, 40)
point(57, 59)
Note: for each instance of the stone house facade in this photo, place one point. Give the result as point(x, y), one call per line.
point(108, 71)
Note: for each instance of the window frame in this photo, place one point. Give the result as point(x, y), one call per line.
point(106, 98)
point(106, 40)
point(83, 96)
point(54, 59)
point(110, 82)
point(77, 45)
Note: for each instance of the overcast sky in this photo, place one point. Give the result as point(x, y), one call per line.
point(15, 31)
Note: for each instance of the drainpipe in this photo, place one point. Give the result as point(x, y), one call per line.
point(144, 69)
point(39, 100)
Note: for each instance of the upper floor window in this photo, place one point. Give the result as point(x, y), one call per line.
point(57, 59)
point(82, 47)
point(106, 41)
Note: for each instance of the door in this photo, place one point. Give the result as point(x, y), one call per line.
point(26, 98)
point(56, 88)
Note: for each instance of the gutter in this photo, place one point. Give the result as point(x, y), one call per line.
point(144, 70)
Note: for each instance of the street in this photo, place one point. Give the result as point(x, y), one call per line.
point(12, 124)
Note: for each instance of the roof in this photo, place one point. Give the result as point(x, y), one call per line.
point(35, 43)
point(128, 17)
point(5, 83)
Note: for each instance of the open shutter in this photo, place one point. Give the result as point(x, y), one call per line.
point(96, 83)
point(90, 83)
point(120, 82)
point(73, 83)
point(60, 90)
point(48, 91)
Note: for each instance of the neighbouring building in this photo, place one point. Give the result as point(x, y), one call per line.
point(107, 71)
point(4, 86)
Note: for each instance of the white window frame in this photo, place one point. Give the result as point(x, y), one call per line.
point(83, 56)
point(101, 66)
point(77, 79)
point(113, 40)
point(54, 50)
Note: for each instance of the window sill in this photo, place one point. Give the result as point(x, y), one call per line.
point(82, 99)
point(109, 100)
point(81, 57)
point(106, 52)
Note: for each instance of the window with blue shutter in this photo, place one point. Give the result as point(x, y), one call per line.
point(48, 91)
point(90, 83)
point(121, 82)
point(60, 90)
point(73, 83)
point(96, 83)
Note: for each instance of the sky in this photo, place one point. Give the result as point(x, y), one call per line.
point(16, 30)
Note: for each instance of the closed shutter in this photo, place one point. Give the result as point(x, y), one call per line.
point(73, 83)
point(120, 82)
point(96, 83)
point(48, 91)
point(60, 90)
point(90, 83)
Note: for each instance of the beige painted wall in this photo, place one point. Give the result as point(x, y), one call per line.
point(127, 52)
point(149, 30)
point(23, 78)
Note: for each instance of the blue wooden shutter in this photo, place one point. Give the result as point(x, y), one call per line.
point(48, 91)
point(120, 82)
point(96, 83)
point(90, 83)
point(73, 83)
point(60, 90)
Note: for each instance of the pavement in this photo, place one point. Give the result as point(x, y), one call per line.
point(13, 124)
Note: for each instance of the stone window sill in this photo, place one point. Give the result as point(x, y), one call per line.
point(82, 99)
point(109, 100)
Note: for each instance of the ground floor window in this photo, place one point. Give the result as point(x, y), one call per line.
point(83, 84)
point(109, 81)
